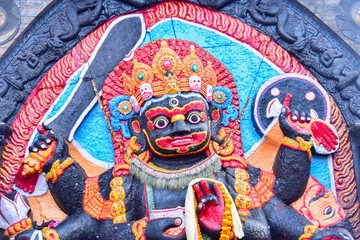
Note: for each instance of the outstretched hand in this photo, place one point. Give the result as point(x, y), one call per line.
point(324, 135)
point(210, 209)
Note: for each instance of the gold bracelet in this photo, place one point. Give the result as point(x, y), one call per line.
point(298, 144)
point(138, 229)
point(58, 169)
point(18, 227)
point(50, 234)
point(309, 231)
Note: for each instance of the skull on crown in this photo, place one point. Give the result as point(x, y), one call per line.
point(195, 83)
point(146, 91)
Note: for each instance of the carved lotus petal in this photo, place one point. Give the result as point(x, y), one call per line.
point(12, 211)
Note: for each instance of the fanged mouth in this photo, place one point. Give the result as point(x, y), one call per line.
point(181, 141)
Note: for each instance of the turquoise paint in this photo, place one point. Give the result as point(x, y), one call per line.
point(146, 39)
point(165, 30)
point(94, 136)
point(320, 170)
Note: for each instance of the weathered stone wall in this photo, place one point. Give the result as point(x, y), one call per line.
point(327, 10)
point(29, 9)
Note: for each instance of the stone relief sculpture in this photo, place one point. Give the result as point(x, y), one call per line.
point(179, 103)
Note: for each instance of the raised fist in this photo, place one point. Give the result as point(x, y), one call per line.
point(46, 148)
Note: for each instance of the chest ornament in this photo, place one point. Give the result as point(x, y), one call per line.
point(174, 179)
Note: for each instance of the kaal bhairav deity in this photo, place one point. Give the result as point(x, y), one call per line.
point(182, 173)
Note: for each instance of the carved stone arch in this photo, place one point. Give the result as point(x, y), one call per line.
point(336, 66)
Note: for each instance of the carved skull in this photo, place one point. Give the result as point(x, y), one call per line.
point(146, 91)
point(195, 83)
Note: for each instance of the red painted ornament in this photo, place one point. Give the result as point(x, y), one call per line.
point(136, 126)
point(215, 115)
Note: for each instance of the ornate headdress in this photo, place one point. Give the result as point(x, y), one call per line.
point(168, 74)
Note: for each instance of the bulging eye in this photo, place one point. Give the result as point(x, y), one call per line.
point(194, 117)
point(161, 122)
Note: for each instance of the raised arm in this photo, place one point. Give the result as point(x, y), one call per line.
point(65, 177)
point(293, 160)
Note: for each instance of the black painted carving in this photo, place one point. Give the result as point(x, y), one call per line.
point(5, 132)
point(124, 35)
point(298, 90)
point(51, 37)
point(141, 3)
point(291, 179)
point(288, 26)
point(216, 4)
point(289, 23)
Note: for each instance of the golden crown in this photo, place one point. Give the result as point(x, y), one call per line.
point(168, 74)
